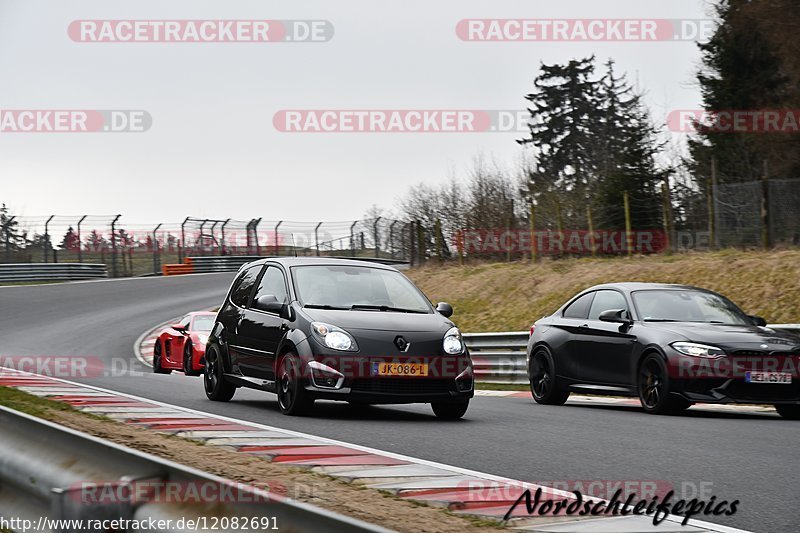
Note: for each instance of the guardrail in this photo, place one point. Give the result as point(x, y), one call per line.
point(51, 472)
point(20, 272)
point(500, 357)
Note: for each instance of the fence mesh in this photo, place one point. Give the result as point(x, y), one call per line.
point(750, 214)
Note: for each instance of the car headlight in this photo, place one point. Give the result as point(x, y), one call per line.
point(333, 337)
point(698, 350)
point(452, 344)
point(203, 339)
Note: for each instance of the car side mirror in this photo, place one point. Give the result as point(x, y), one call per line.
point(757, 320)
point(444, 309)
point(618, 316)
point(270, 304)
point(179, 328)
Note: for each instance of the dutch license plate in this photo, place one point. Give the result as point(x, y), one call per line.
point(784, 378)
point(399, 369)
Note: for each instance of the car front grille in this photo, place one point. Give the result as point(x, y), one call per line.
point(403, 386)
point(762, 392)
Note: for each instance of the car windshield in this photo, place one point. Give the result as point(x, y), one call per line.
point(349, 287)
point(203, 323)
point(687, 306)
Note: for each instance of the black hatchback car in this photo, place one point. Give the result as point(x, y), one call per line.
point(670, 345)
point(334, 329)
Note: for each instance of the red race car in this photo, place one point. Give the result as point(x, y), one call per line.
point(182, 346)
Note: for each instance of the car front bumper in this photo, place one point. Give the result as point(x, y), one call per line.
point(733, 391)
point(354, 378)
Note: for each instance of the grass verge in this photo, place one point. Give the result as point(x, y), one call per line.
point(511, 296)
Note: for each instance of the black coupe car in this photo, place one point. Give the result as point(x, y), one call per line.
point(316, 328)
point(670, 345)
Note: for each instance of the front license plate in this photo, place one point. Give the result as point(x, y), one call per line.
point(399, 369)
point(783, 378)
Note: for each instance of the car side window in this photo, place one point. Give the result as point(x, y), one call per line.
point(273, 282)
point(606, 300)
point(580, 307)
point(244, 285)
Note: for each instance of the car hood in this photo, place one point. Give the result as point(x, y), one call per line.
point(737, 337)
point(380, 320)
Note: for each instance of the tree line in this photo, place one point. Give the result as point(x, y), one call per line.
point(592, 139)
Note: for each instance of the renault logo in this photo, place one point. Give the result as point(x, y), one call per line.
point(401, 344)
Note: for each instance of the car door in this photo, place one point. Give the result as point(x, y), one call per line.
point(173, 345)
point(604, 349)
point(260, 332)
point(233, 310)
point(564, 345)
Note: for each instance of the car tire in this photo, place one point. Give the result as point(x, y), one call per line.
point(544, 384)
point(158, 352)
point(293, 398)
point(216, 387)
point(450, 410)
point(789, 412)
point(653, 385)
point(187, 360)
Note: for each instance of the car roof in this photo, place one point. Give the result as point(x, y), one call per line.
point(304, 261)
point(638, 286)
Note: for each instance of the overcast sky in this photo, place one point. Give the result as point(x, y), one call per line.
point(212, 149)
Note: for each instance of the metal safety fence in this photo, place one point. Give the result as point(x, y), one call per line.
point(22, 272)
point(50, 473)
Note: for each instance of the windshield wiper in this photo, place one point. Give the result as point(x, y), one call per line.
point(385, 308)
point(662, 320)
point(325, 306)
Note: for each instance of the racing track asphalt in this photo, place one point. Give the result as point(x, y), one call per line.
point(749, 457)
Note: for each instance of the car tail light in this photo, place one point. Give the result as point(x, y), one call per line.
point(533, 327)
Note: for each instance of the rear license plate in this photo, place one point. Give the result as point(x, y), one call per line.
point(783, 378)
point(399, 369)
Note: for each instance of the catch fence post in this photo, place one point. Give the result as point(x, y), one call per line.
point(711, 199)
point(376, 237)
point(628, 235)
point(156, 258)
point(114, 246)
point(255, 235)
point(46, 243)
point(766, 237)
point(80, 240)
point(222, 238)
point(182, 247)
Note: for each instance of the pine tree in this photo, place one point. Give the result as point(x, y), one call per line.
point(741, 71)
point(593, 140)
point(96, 242)
point(627, 148)
point(563, 127)
point(70, 240)
point(10, 236)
